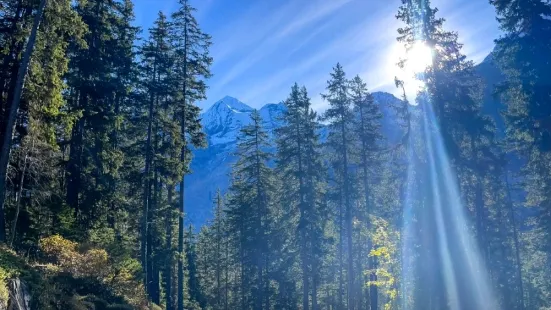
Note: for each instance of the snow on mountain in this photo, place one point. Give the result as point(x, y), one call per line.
point(224, 119)
point(212, 166)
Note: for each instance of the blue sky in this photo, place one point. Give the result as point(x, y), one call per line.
point(261, 47)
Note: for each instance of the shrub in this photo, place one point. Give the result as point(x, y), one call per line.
point(118, 276)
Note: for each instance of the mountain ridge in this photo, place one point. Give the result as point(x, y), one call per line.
point(211, 167)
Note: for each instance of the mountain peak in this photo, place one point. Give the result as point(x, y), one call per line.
point(274, 106)
point(232, 104)
point(224, 119)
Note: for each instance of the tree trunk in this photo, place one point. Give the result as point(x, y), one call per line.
point(226, 276)
point(348, 219)
point(181, 254)
point(155, 261)
point(147, 183)
point(303, 223)
point(15, 48)
point(371, 261)
point(168, 246)
point(479, 208)
point(517, 244)
point(75, 157)
point(13, 110)
point(359, 267)
point(218, 250)
point(373, 294)
point(314, 286)
point(260, 198)
point(20, 193)
point(111, 216)
point(242, 268)
point(340, 255)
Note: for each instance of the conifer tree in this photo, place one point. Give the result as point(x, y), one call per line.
point(521, 55)
point(95, 156)
point(250, 214)
point(212, 263)
point(339, 115)
point(192, 62)
point(218, 244)
point(105, 130)
point(366, 127)
point(53, 25)
point(300, 167)
point(156, 67)
point(13, 108)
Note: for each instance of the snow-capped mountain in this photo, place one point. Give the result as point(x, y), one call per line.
point(212, 166)
point(222, 122)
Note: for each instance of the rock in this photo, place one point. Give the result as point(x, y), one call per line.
point(20, 297)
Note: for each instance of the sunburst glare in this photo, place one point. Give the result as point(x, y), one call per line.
point(415, 61)
point(419, 58)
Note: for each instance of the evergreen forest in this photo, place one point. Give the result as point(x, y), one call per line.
point(100, 120)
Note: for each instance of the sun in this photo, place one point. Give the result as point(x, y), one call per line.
point(419, 58)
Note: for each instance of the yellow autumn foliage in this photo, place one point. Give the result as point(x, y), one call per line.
point(385, 240)
point(96, 264)
point(4, 294)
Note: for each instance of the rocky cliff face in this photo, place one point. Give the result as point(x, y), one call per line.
point(19, 296)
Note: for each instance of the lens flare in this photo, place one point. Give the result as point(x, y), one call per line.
point(415, 62)
point(439, 250)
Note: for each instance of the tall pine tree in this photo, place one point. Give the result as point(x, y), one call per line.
point(250, 214)
point(192, 62)
point(522, 55)
point(340, 117)
point(300, 166)
point(366, 127)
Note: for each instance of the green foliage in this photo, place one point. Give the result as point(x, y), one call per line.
point(453, 94)
point(4, 292)
point(519, 54)
point(75, 281)
point(302, 189)
point(251, 214)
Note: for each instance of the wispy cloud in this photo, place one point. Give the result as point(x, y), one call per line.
point(299, 20)
point(317, 11)
point(262, 47)
point(354, 48)
point(203, 8)
point(248, 29)
point(303, 73)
